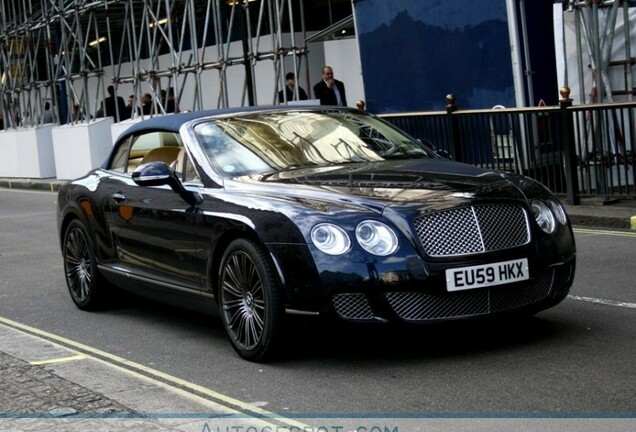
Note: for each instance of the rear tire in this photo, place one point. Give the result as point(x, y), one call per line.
point(249, 300)
point(84, 282)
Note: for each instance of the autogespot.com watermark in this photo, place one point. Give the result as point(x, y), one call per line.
point(188, 423)
point(306, 423)
point(211, 427)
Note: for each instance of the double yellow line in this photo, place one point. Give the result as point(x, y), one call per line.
point(139, 371)
point(605, 232)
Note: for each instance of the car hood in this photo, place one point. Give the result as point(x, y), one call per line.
point(405, 183)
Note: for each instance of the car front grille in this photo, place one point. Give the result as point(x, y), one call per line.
point(472, 230)
point(414, 306)
point(417, 306)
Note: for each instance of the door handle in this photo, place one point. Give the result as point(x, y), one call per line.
point(119, 197)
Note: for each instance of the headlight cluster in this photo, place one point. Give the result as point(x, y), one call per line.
point(331, 239)
point(373, 236)
point(547, 214)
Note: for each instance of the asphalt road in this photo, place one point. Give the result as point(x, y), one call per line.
point(577, 358)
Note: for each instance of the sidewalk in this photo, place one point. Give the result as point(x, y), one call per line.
point(591, 213)
point(45, 385)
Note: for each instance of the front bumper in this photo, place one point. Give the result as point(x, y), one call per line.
point(406, 288)
point(544, 291)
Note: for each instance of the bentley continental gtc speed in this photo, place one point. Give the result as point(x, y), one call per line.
point(259, 213)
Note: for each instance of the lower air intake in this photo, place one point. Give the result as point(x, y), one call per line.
point(353, 306)
point(413, 306)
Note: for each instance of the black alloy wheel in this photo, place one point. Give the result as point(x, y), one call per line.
point(82, 277)
point(249, 300)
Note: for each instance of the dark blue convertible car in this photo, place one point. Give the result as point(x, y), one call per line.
point(264, 212)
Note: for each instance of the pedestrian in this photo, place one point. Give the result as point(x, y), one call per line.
point(171, 102)
point(47, 115)
point(130, 107)
point(14, 110)
point(113, 106)
point(290, 90)
point(146, 104)
point(330, 91)
point(360, 104)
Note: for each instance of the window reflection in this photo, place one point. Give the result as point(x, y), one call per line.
point(280, 140)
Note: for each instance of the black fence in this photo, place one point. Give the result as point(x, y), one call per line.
point(578, 151)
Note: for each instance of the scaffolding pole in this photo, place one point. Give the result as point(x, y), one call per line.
point(209, 53)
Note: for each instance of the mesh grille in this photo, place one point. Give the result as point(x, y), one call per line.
point(449, 232)
point(414, 306)
point(502, 299)
point(417, 306)
point(471, 230)
point(493, 218)
point(352, 306)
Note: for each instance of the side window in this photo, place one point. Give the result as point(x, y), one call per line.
point(153, 146)
point(120, 160)
point(150, 147)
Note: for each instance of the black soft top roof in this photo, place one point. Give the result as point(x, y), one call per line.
point(172, 122)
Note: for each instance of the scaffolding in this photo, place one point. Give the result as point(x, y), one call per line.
point(68, 52)
point(602, 42)
point(601, 34)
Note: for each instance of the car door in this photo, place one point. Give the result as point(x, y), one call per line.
point(152, 227)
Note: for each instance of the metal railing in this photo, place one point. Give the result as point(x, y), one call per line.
point(579, 151)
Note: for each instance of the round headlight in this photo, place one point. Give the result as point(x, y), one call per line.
point(543, 216)
point(376, 238)
point(330, 239)
point(558, 211)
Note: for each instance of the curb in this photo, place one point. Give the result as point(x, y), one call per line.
point(603, 222)
point(615, 216)
point(51, 185)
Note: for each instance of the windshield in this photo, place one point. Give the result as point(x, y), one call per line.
point(281, 140)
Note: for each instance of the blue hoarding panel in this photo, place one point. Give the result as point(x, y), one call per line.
point(414, 53)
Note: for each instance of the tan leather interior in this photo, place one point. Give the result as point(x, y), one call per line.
point(179, 162)
point(163, 154)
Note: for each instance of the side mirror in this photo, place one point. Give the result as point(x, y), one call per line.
point(159, 174)
point(443, 153)
point(153, 174)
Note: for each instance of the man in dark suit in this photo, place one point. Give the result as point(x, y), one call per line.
point(113, 106)
point(330, 91)
point(290, 90)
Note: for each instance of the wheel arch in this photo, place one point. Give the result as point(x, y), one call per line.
point(221, 246)
point(65, 222)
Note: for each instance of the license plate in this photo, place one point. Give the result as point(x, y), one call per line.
point(479, 276)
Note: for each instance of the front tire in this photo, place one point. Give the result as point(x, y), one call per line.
point(249, 300)
point(83, 279)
